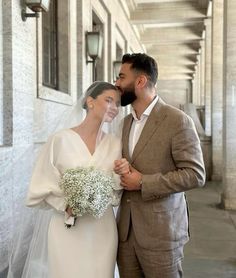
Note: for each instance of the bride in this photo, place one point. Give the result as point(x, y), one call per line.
point(88, 249)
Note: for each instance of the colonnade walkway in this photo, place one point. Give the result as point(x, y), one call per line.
point(211, 251)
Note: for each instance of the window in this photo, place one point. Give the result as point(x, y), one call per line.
point(50, 53)
point(55, 46)
point(119, 52)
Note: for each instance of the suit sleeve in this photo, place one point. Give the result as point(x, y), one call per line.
point(44, 187)
point(189, 172)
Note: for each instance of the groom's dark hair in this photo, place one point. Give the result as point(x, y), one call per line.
point(141, 62)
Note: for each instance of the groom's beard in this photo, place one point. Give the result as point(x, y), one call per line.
point(127, 97)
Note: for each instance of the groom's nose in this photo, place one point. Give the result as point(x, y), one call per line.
point(117, 82)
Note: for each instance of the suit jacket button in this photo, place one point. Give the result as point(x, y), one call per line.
point(128, 200)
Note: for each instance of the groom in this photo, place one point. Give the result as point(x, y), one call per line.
point(163, 149)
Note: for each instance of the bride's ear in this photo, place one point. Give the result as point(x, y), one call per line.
point(89, 102)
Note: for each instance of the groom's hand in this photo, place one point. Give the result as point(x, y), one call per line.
point(132, 181)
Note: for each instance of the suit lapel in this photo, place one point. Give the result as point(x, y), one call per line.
point(125, 136)
point(152, 124)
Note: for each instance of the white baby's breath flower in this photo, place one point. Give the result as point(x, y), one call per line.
point(87, 190)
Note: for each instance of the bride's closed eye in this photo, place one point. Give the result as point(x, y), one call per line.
point(110, 100)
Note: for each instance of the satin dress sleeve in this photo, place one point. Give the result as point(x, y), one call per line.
point(44, 190)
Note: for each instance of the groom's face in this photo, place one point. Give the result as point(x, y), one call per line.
point(126, 84)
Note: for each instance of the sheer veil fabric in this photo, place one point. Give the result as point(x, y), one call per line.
point(29, 256)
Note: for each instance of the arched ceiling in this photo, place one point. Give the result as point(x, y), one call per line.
point(171, 32)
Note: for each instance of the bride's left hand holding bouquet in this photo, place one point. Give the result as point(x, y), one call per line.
point(87, 190)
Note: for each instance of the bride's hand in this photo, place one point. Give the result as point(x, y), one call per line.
point(121, 166)
point(69, 211)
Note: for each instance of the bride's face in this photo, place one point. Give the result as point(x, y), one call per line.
point(106, 105)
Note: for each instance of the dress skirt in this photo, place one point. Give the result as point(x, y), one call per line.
point(86, 250)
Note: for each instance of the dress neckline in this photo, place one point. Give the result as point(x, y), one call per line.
point(85, 145)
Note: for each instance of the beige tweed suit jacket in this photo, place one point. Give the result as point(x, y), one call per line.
point(169, 156)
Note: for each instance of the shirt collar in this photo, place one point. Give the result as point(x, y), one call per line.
point(147, 111)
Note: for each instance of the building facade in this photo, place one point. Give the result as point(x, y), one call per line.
point(44, 70)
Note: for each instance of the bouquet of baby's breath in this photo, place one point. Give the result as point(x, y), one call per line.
point(87, 190)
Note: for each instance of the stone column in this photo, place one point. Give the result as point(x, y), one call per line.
point(194, 89)
point(202, 81)
point(195, 86)
point(217, 88)
point(229, 106)
point(208, 26)
point(198, 70)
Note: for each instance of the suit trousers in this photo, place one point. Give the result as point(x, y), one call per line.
point(136, 262)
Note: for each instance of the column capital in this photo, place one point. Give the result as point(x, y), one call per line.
point(202, 43)
point(207, 21)
point(197, 59)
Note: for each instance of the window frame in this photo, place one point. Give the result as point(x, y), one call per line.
point(52, 94)
point(54, 51)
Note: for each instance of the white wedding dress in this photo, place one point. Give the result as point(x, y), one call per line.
point(88, 249)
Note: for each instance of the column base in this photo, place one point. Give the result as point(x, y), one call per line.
point(228, 204)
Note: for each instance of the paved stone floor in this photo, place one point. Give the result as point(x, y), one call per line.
point(211, 251)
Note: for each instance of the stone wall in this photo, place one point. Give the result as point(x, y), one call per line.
point(174, 92)
point(1, 75)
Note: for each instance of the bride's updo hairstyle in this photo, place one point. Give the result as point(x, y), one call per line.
point(96, 89)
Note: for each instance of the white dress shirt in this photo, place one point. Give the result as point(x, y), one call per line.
point(138, 125)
